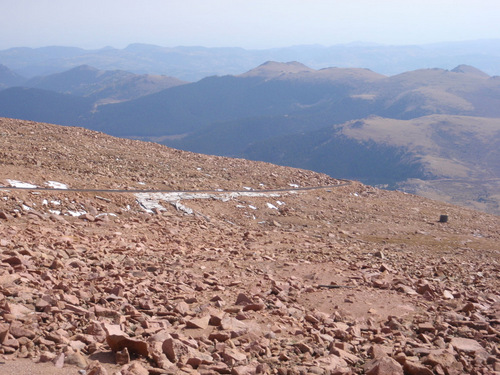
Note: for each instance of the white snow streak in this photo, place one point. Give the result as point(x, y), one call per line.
point(56, 185)
point(20, 184)
point(151, 201)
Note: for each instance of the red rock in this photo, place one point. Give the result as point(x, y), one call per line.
point(17, 330)
point(196, 358)
point(426, 327)
point(233, 356)
point(406, 289)
point(383, 366)
point(87, 217)
point(76, 309)
point(135, 368)
point(95, 329)
point(414, 368)
point(447, 295)
point(118, 340)
point(254, 307)
point(235, 326)
point(41, 304)
point(348, 357)
point(466, 345)
point(57, 338)
point(377, 351)
point(244, 370)
point(76, 359)
point(173, 349)
point(332, 363)
point(4, 332)
point(18, 311)
point(304, 348)
point(311, 319)
point(182, 308)
point(243, 300)
point(219, 336)
point(198, 323)
point(5, 216)
point(77, 345)
point(47, 357)
point(56, 264)
point(96, 369)
point(439, 357)
point(59, 360)
point(107, 313)
point(122, 357)
point(13, 343)
point(177, 351)
point(216, 318)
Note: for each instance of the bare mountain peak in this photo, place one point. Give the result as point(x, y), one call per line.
point(275, 69)
point(467, 69)
point(84, 67)
point(290, 64)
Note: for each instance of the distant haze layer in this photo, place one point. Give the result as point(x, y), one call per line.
point(243, 23)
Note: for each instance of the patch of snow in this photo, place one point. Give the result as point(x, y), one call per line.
point(180, 207)
point(56, 203)
point(5, 198)
point(240, 206)
point(56, 185)
point(252, 207)
point(26, 208)
point(148, 204)
point(45, 202)
point(55, 212)
point(23, 185)
point(76, 213)
point(148, 201)
point(295, 186)
point(107, 214)
point(141, 183)
point(280, 203)
point(247, 188)
point(271, 206)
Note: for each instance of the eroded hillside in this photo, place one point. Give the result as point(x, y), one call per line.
point(342, 279)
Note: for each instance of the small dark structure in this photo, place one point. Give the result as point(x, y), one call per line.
point(443, 218)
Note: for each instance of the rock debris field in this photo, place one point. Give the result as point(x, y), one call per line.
point(345, 279)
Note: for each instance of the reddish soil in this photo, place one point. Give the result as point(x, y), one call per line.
point(338, 280)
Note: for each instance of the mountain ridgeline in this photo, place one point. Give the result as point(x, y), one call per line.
point(194, 63)
point(411, 131)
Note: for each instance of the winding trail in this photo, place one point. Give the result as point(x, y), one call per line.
point(137, 191)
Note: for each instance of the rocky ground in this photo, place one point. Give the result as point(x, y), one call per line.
point(345, 279)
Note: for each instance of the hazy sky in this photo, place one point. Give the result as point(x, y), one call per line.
point(243, 23)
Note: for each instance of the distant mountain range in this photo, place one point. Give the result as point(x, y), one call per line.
point(194, 63)
point(434, 132)
point(98, 85)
